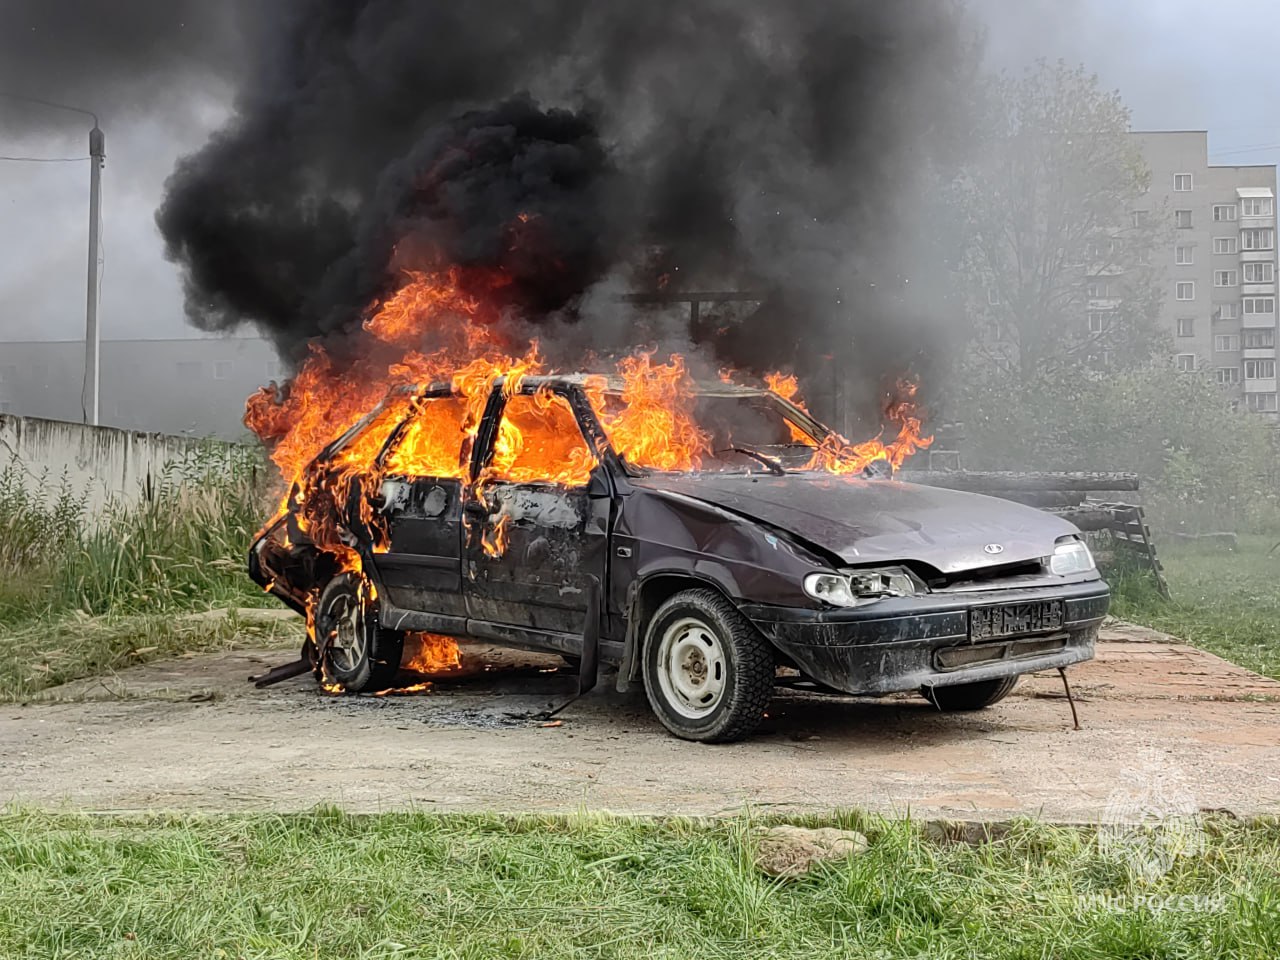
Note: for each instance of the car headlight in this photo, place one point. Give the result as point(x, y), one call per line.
point(1071, 556)
point(858, 588)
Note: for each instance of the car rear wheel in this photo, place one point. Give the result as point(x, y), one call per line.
point(708, 672)
point(357, 653)
point(969, 696)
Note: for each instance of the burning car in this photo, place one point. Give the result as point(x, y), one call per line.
point(699, 536)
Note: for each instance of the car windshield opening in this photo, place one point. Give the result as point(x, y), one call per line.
point(747, 433)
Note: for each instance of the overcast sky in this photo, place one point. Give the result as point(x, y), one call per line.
point(1179, 64)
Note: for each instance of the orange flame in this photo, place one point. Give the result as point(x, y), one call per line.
point(837, 455)
point(430, 653)
point(649, 419)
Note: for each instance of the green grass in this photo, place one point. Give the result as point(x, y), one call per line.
point(410, 885)
point(40, 655)
point(181, 548)
point(1226, 602)
point(83, 596)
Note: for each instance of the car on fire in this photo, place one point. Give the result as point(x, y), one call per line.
point(700, 583)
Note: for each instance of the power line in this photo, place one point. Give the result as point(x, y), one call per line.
point(1258, 149)
point(44, 159)
point(21, 98)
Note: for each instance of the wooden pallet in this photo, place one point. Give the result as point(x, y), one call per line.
point(1127, 525)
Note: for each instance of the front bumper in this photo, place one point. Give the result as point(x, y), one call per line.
point(908, 643)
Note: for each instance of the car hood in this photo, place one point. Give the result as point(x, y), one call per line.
point(874, 521)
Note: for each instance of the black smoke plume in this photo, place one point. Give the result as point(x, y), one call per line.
point(791, 148)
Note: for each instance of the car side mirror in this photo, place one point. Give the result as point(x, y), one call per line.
point(598, 485)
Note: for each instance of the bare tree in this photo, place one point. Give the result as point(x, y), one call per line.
point(1057, 265)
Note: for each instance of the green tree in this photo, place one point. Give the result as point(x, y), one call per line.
point(1057, 263)
point(1203, 466)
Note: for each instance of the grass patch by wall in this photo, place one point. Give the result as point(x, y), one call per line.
point(409, 885)
point(182, 548)
point(43, 654)
point(85, 595)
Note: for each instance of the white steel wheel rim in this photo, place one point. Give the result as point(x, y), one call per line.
point(347, 639)
point(693, 670)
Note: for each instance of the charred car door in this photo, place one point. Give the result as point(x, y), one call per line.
point(538, 520)
point(420, 500)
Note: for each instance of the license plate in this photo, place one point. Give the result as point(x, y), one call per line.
point(1015, 619)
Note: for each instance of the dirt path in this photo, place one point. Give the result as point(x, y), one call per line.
point(1159, 719)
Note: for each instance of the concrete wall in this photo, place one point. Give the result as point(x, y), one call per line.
point(102, 463)
point(194, 387)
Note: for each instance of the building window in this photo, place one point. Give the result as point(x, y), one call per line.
point(1226, 375)
point(4, 406)
point(1259, 369)
point(1259, 339)
point(1227, 311)
point(1186, 327)
point(1097, 322)
point(1182, 182)
point(1224, 212)
point(1186, 363)
point(993, 298)
point(222, 369)
point(1256, 305)
point(1225, 245)
point(1099, 289)
point(1225, 278)
point(1183, 219)
point(1262, 272)
point(1257, 207)
point(1262, 402)
point(1138, 218)
point(1184, 256)
point(189, 370)
point(1226, 343)
point(1115, 245)
point(1258, 239)
point(1185, 290)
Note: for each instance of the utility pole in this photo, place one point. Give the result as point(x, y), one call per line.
point(97, 158)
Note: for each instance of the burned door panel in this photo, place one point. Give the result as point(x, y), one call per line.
point(531, 559)
point(422, 567)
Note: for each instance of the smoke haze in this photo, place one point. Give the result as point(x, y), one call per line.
point(130, 56)
point(744, 144)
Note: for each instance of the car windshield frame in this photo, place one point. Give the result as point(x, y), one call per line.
point(790, 412)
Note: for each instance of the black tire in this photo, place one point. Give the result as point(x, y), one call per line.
point(359, 656)
point(734, 681)
point(969, 696)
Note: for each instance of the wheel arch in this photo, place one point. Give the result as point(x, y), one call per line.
point(646, 595)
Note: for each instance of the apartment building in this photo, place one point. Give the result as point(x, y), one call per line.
point(1220, 301)
point(194, 387)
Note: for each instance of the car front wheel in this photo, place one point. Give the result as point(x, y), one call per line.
point(708, 672)
point(358, 655)
point(969, 696)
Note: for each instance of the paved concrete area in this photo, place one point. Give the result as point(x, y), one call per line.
point(1160, 720)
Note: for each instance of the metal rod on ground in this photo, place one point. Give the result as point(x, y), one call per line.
point(285, 671)
point(97, 158)
point(1075, 717)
